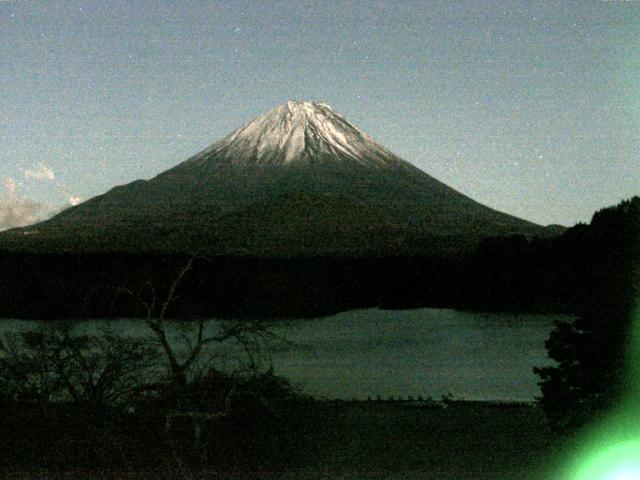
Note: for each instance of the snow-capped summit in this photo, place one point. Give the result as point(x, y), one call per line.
point(296, 180)
point(298, 131)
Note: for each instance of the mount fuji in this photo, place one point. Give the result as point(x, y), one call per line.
point(296, 180)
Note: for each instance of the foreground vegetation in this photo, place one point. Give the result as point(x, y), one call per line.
point(318, 440)
point(98, 406)
point(105, 401)
point(596, 352)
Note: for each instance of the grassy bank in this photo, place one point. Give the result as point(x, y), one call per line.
point(325, 440)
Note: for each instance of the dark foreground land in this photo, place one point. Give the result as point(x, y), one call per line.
point(463, 441)
point(332, 440)
point(516, 273)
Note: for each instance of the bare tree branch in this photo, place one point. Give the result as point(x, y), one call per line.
point(172, 291)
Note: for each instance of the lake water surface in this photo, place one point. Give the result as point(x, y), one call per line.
point(399, 353)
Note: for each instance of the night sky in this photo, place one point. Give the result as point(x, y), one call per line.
point(532, 108)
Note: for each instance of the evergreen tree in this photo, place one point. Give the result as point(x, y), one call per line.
point(591, 351)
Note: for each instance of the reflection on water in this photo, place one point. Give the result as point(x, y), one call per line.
point(370, 353)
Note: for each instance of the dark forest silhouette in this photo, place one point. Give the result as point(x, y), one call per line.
point(506, 273)
point(592, 351)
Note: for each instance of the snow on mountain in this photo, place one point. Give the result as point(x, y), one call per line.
point(298, 132)
point(298, 179)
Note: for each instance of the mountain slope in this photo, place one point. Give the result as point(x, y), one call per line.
point(299, 179)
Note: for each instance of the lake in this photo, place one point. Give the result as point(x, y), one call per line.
point(399, 353)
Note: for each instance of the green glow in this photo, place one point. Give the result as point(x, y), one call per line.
point(610, 450)
point(618, 462)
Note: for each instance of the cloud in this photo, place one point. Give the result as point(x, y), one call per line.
point(42, 172)
point(21, 212)
point(75, 200)
point(17, 211)
point(10, 183)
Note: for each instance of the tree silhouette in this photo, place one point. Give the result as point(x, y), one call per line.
point(58, 364)
point(591, 351)
point(253, 336)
